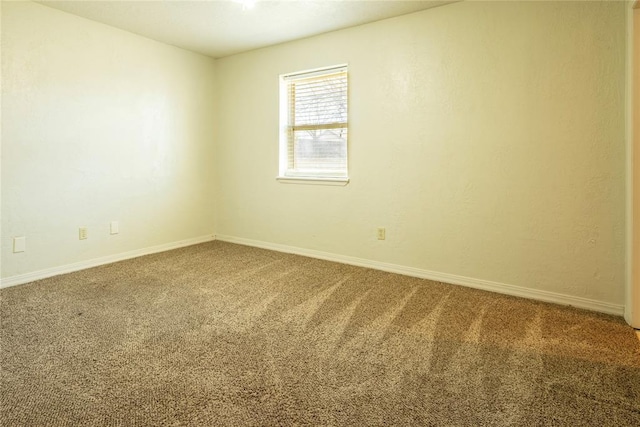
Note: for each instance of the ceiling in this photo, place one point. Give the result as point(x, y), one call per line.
point(220, 28)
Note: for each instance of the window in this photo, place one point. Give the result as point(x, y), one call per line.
point(313, 122)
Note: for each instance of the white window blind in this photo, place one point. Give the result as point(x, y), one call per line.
point(316, 124)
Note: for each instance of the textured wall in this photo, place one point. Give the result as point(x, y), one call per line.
point(99, 125)
point(487, 137)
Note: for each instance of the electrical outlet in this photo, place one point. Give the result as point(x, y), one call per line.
point(19, 244)
point(83, 233)
point(115, 229)
point(381, 233)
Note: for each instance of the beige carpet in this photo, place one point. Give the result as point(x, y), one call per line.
point(224, 335)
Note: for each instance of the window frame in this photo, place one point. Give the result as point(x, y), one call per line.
point(285, 174)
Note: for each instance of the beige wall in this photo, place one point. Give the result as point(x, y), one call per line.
point(487, 137)
point(99, 125)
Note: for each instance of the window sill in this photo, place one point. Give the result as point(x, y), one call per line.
point(313, 180)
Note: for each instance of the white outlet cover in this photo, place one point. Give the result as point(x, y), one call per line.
point(115, 227)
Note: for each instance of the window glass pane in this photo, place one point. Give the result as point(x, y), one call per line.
point(320, 150)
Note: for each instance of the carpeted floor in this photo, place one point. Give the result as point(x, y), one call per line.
point(225, 335)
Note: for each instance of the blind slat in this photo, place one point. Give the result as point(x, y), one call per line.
point(321, 126)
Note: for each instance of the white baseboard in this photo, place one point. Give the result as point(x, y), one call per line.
point(63, 269)
point(470, 282)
